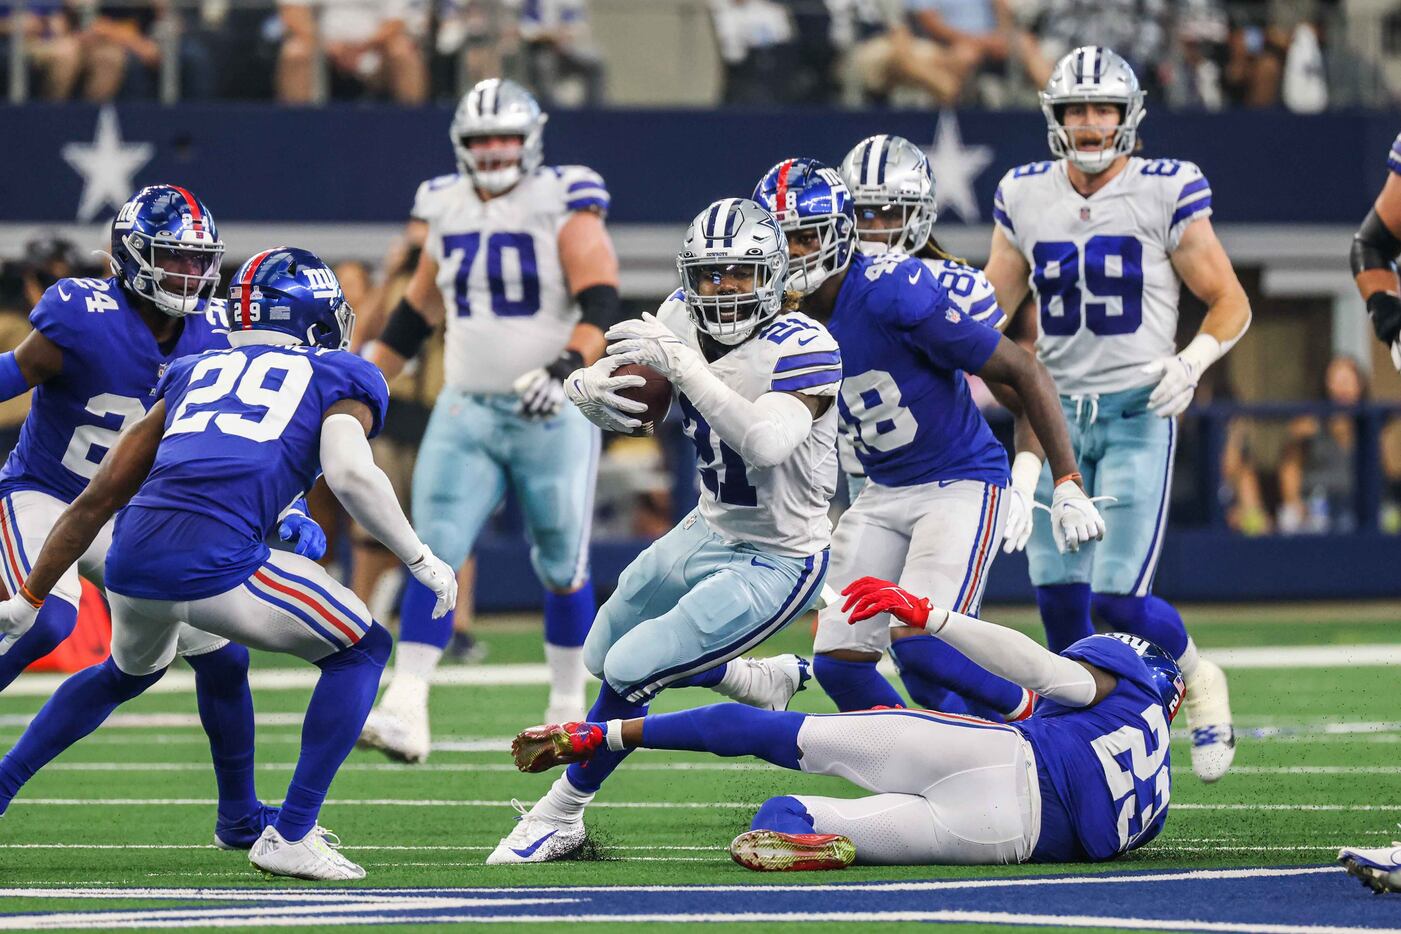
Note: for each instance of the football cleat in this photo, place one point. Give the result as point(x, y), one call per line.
point(398, 726)
point(1378, 869)
point(1208, 706)
point(543, 747)
point(537, 839)
point(766, 683)
point(243, 833)
point(314, 856)
point(771, 851)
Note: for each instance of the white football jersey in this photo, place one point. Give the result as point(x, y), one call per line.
point(1100, 268)
point(969, 289)
point(782, 509)
point(509, 309)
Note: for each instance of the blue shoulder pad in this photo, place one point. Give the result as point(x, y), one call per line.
point(1106, 652)
point(365, 383)
point(904, 292)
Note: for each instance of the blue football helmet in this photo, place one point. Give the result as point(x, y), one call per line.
point(1167, 677)
point(166, 249)
point(291, 291)
point(802, 195)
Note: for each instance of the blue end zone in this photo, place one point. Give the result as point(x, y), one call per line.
point(1283, 899)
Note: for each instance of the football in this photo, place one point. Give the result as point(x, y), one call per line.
point(655, 394)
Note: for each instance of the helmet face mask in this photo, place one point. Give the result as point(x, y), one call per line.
point(1092, 75)
point(893, 186)
point(733, 266)
point(498, 108)
point(166, 249)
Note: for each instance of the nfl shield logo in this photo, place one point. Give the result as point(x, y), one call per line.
point(953, 316)
point(1084, 214)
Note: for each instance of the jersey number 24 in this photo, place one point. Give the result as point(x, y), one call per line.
point(1109, 268)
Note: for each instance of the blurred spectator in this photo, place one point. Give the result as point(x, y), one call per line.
point(756, 45)
point(1317, 476)
point(46, 260)
point(563, 65)
point(122, 50)
point(1196, 69)
point(975, 32)
point(1135, 29)
point(367, 45)
point(888, 56)
point(52, 53)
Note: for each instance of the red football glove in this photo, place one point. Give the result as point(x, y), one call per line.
point(871, 595)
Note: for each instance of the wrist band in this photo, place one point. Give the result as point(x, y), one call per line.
point(29, 597)
point(1073, 475)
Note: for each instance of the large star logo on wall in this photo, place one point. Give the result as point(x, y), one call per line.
point(107, 165)
point(956, 167)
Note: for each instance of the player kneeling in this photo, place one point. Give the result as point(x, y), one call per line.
point(1087, 777)
point(232, 437)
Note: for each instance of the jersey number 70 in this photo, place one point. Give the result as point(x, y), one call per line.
point(511, 272)
point(1110, 268)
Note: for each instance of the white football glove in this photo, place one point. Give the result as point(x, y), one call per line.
point(1396, 354)
point(542, 396)
point(646, 340)
point(1178, 376)
point(433, 573)
point(1021, 501)
point(594, 389)
point(1074, 518)
point(16, 617)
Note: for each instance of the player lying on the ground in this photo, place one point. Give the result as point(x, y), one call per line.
point(231, 436)
point(1375, 247)
point(97, 350)
point(756, 389)
point(1087, 777)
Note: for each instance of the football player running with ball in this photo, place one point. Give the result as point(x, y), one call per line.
point(519, 261)
point(1087, 778)
point(932, 512)
point(98, 349)
point(756, 389)
point(231, 435)
point(1104, 238)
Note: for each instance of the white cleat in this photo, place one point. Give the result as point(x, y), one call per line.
point(1209, 719)
point(314, 856)
point(1379, 869)
point(398, 726)
point(766, 683)
point(537, 839)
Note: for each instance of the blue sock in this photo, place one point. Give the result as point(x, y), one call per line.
point(610, 705)
point(53, 624)
point(568, 616)
point(925, 692)
point(1065, 612)
point(729, 730)
point(1151, 618)
point(706, 679)
point(339, 705)
point(226, 711)
point(76, 709)
point(940, 663)
point(416, 622)
point(785, 814)
point(854, 685)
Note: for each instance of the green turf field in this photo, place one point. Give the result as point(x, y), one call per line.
point(1318, 767)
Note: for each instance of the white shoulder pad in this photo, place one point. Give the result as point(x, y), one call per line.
point(581, 188)
point(805, 356)
point(433, 196)
point(1184, 193)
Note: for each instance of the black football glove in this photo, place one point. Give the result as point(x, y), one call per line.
point(1385, 309)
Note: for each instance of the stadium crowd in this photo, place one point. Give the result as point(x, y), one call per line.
point(1205, 54)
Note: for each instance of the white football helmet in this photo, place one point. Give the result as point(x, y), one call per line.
point(888, 174)
point(498, 107)
point(733, 240)
point(1092, 74)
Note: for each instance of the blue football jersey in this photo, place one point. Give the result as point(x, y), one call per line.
point(242, 440)
point(905, 404)
point(111, 364)
point(1105, 770)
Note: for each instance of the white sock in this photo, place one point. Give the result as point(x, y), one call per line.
point(416, 659)
point(737, 681)
point(563, 802)
point(1187, 662)
point(567, 673)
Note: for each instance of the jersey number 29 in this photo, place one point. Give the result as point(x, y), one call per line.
point(246, 379)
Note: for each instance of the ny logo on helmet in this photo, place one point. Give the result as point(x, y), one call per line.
point(322, 281)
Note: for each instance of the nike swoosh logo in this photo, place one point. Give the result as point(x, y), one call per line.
point(804, 343)
point(530, 850)
point(62, 294)
point(759, 564)
point(915, 277)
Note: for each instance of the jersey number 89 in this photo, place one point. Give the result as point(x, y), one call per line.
point(1112, 268)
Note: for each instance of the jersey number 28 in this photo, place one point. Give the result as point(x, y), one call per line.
point(1110, 268)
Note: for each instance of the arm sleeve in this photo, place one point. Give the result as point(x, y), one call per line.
point(765, 432)
point(1011, 655)
point(362, 488)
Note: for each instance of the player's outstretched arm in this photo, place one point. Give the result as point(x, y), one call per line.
point(36, 360)
point(1002, 651)
point(366, 493)
point(1375, 247)
point(1206, 270)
